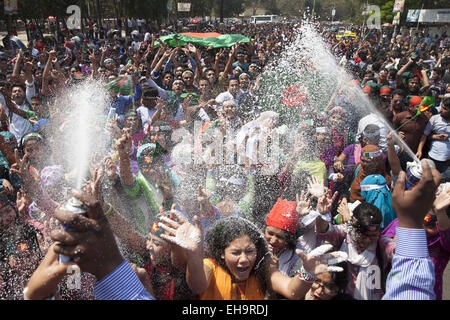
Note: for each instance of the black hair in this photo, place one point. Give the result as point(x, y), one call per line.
point(225, 231)
point(209, 69)
point(232, 78)
point(446, 102)
point(440, 71)
point(366, 215)
point(399, 92)
point(16, 84)
point(150, 92)
point(340, 278)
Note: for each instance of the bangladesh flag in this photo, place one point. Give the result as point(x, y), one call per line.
point(209, 39)
point(123, 84)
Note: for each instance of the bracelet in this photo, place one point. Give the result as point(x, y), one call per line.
point(305, 276)
point(108, 210)
point(339, 219)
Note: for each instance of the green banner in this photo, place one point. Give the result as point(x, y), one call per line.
point(225, 40)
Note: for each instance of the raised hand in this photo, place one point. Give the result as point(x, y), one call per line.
point(22, 203)
point(412, 205)
point(303, 204)
point(184, 234)
point(441, 202)
point(124, 144)
point(344, 209)
point(318, 261)
point(90, 242)
point(20, 167)
point(324, 203)
point(315, 187)
point(203, 197)
point(110, 168)
point(338, 166)
point(165, 185)
point(93, 187)
point(7, 187)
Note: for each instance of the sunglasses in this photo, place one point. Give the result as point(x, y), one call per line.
point(399, 101)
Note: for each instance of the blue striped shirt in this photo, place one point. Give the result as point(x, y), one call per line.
point(412, 273)
point(121, 284)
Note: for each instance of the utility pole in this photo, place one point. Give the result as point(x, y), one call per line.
point(314, 6)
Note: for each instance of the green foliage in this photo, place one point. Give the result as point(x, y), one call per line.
point(386, 12)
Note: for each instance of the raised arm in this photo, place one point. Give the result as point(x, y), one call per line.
point(412, 273)
point(190, 238)
point(47, 70)
point(124, 147)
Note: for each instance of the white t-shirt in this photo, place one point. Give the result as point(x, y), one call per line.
point(439, 150)
point(18, 125)
point(145, 114)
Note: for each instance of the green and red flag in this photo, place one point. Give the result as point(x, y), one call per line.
point(123, 84)
point(427, 103)
point(208, 39)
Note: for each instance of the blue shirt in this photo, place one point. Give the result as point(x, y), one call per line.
point(412, 273)
point(121, 284)
point(122, 102)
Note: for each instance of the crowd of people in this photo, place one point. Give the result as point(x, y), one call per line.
point(157, 227)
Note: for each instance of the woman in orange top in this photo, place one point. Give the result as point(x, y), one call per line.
point(238, 264)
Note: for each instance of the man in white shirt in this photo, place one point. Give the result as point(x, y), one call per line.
point(21, 97)
point(231, 93)
point(148, 107)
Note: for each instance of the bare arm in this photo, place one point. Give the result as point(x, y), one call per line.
point(124, 146)
point(126, 233)
point(401, 71)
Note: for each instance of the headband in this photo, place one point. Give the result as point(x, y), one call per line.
point(30, 136)
point(159, 128)
point(371, 155)
point(187, 71)
point(244, 74)
point(369, 187)
point(321, 130)
point(178, 81)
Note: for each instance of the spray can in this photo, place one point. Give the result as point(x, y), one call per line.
point(414, 173)
point(74, 206)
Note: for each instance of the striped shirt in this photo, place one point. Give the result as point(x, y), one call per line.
point(121, 284)
point(412, 273)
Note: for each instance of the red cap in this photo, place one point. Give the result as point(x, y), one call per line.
point(367, 89)
point(385, 91)
point(283, 216)
point(416, 100)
